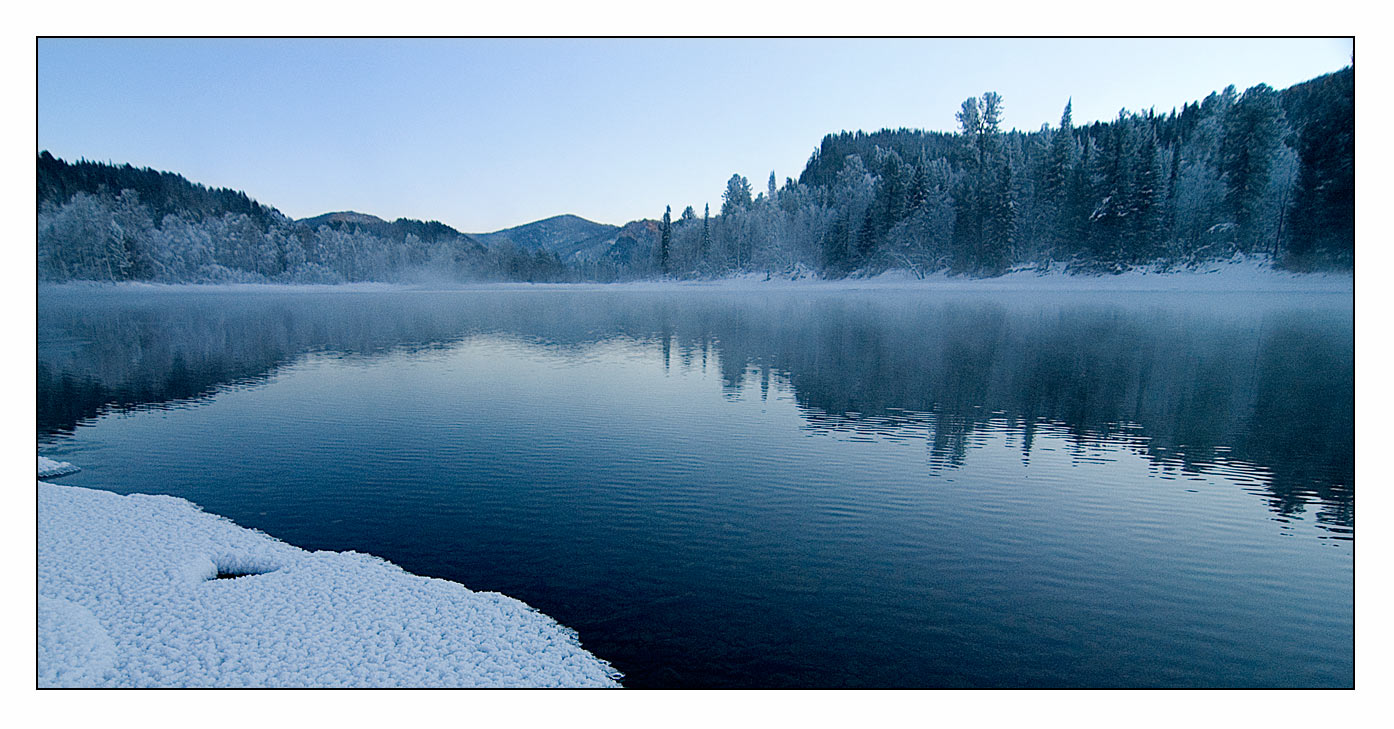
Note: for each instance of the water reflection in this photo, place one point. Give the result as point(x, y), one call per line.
point(1196, 384)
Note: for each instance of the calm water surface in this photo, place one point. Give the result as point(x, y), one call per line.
point(811, 487)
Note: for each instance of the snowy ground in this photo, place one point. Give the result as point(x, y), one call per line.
point(49, 468)
point(129, 595)
point(1241, 275)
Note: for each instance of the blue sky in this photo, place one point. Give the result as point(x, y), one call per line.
point(486, 134)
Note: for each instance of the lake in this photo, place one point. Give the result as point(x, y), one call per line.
point(809, 486)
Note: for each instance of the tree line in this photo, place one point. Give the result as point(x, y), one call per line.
point(1261, 172)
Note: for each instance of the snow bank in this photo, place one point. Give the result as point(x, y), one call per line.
point(49, 468)
point(1246, 275)
point(1239, 275)
point(130, 595)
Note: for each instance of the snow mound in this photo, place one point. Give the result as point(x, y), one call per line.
point(152, 591)
point(1237, 275)
point(49, 468)
point(74, 650)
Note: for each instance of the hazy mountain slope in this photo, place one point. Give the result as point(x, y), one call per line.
point(346, 216)
point(568, 236)
point(429, 231)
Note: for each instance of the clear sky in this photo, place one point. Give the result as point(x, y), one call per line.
point(487, 134)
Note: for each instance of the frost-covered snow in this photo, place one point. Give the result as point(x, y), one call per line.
point(128, 597)
point(49, 468)
point(1239, 275)
point(1247, 275)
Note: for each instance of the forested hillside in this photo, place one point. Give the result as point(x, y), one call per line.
point(1259, 172)
point(103, 222)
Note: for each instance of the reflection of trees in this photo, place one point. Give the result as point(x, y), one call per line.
point(92, 359)
point(1306, 421)
point(1188, 386)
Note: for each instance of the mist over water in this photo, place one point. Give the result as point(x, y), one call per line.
point(808, 487)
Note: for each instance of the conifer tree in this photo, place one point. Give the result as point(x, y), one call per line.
point(1145, 204)
point(706, 245)
point(1055, 181)
point(1323, 206)
point(919, 188)
point(1251, 138)
point(1000, 223)
point(1060, 158)
point(665, 239)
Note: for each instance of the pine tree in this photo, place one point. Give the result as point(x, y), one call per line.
point(1323, 207)
point(919, 188)
point(1000, 223)
point(1110, 177)
point(1145, 203)
point(1251, 139)
point(706, 245)
point(1060, 161)
point(1173, 178)
point(665, 239)
point(1060, 158)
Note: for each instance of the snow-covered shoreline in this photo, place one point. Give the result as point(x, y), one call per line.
point(1247, 275)
point(1237, 276)
point(129, 595)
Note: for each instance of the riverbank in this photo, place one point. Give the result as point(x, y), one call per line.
point(1241, 275)
point(139, 591)
point(1248, 275)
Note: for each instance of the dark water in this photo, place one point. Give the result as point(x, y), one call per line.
point(801, 488)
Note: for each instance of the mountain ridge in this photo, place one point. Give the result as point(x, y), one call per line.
point(341, 216)
point(569, 236)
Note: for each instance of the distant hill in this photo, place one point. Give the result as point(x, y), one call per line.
point(430, 231)
point(346, 216)
point(570, 237)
